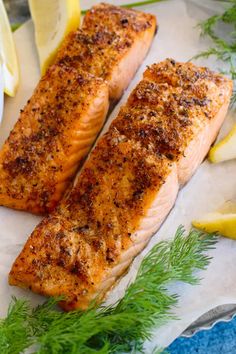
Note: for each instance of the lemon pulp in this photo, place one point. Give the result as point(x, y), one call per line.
point(225, 149)
point(8, 57)
point(53, 20)
point(222, 221)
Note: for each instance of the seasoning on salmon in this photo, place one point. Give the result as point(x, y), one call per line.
point(112, 44)
point(54, 132)
point(127, 186)
point(61, 121)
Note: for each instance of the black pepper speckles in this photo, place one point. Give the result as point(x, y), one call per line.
point(20, 165)
point(164, 109)
point(117, 18)
point(107, 34)
point(37, 153)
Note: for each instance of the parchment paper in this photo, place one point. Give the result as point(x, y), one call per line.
point(211, 186)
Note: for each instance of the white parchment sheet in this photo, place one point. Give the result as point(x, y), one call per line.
point(211, 186)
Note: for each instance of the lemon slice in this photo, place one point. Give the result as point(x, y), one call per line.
point(53, 20)
point(222, 221)
point(8, 58)
point(225, 149)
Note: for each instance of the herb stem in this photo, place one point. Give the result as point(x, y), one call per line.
point(135, 4)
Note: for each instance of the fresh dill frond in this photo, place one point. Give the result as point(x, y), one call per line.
point(123, 327)
point(224, 49)
point(15, 330)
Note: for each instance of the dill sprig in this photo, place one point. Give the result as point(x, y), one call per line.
point(134, 4)
point(223, 49)
point(15, 330)
point(122, 327)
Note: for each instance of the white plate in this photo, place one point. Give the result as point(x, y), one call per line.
point(177, 37)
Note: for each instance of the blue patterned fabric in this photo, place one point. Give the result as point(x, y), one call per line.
point(220, 339)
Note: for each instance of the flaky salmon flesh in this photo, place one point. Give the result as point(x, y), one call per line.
point(61, 121)
point(127, 186)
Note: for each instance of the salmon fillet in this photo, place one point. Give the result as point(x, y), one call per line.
point(60, 122)
point(127, 186)
point(54, 132)
point(171, 112)
point(112, 44)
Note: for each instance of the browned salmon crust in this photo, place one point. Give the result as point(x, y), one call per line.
point(54, 132)
point(112, 44)
point(170, 105)
point(60, 122)
point(71, 251)
point(127, 186)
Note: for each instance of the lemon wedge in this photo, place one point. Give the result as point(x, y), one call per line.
point(225, 149)
point(222, 221)
point(53, 20)
point(8, 58)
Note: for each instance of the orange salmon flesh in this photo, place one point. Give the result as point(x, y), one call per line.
point(127, 186)
point(60, 122)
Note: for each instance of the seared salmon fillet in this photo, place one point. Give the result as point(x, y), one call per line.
point(60, 122)
point(127, 186)
point(54, 132)
point(112, 44)
point(172, 109)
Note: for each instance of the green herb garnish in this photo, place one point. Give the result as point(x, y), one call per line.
point(134, 4)
point(122, 328)
point(15, 26)
point(224, 49)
